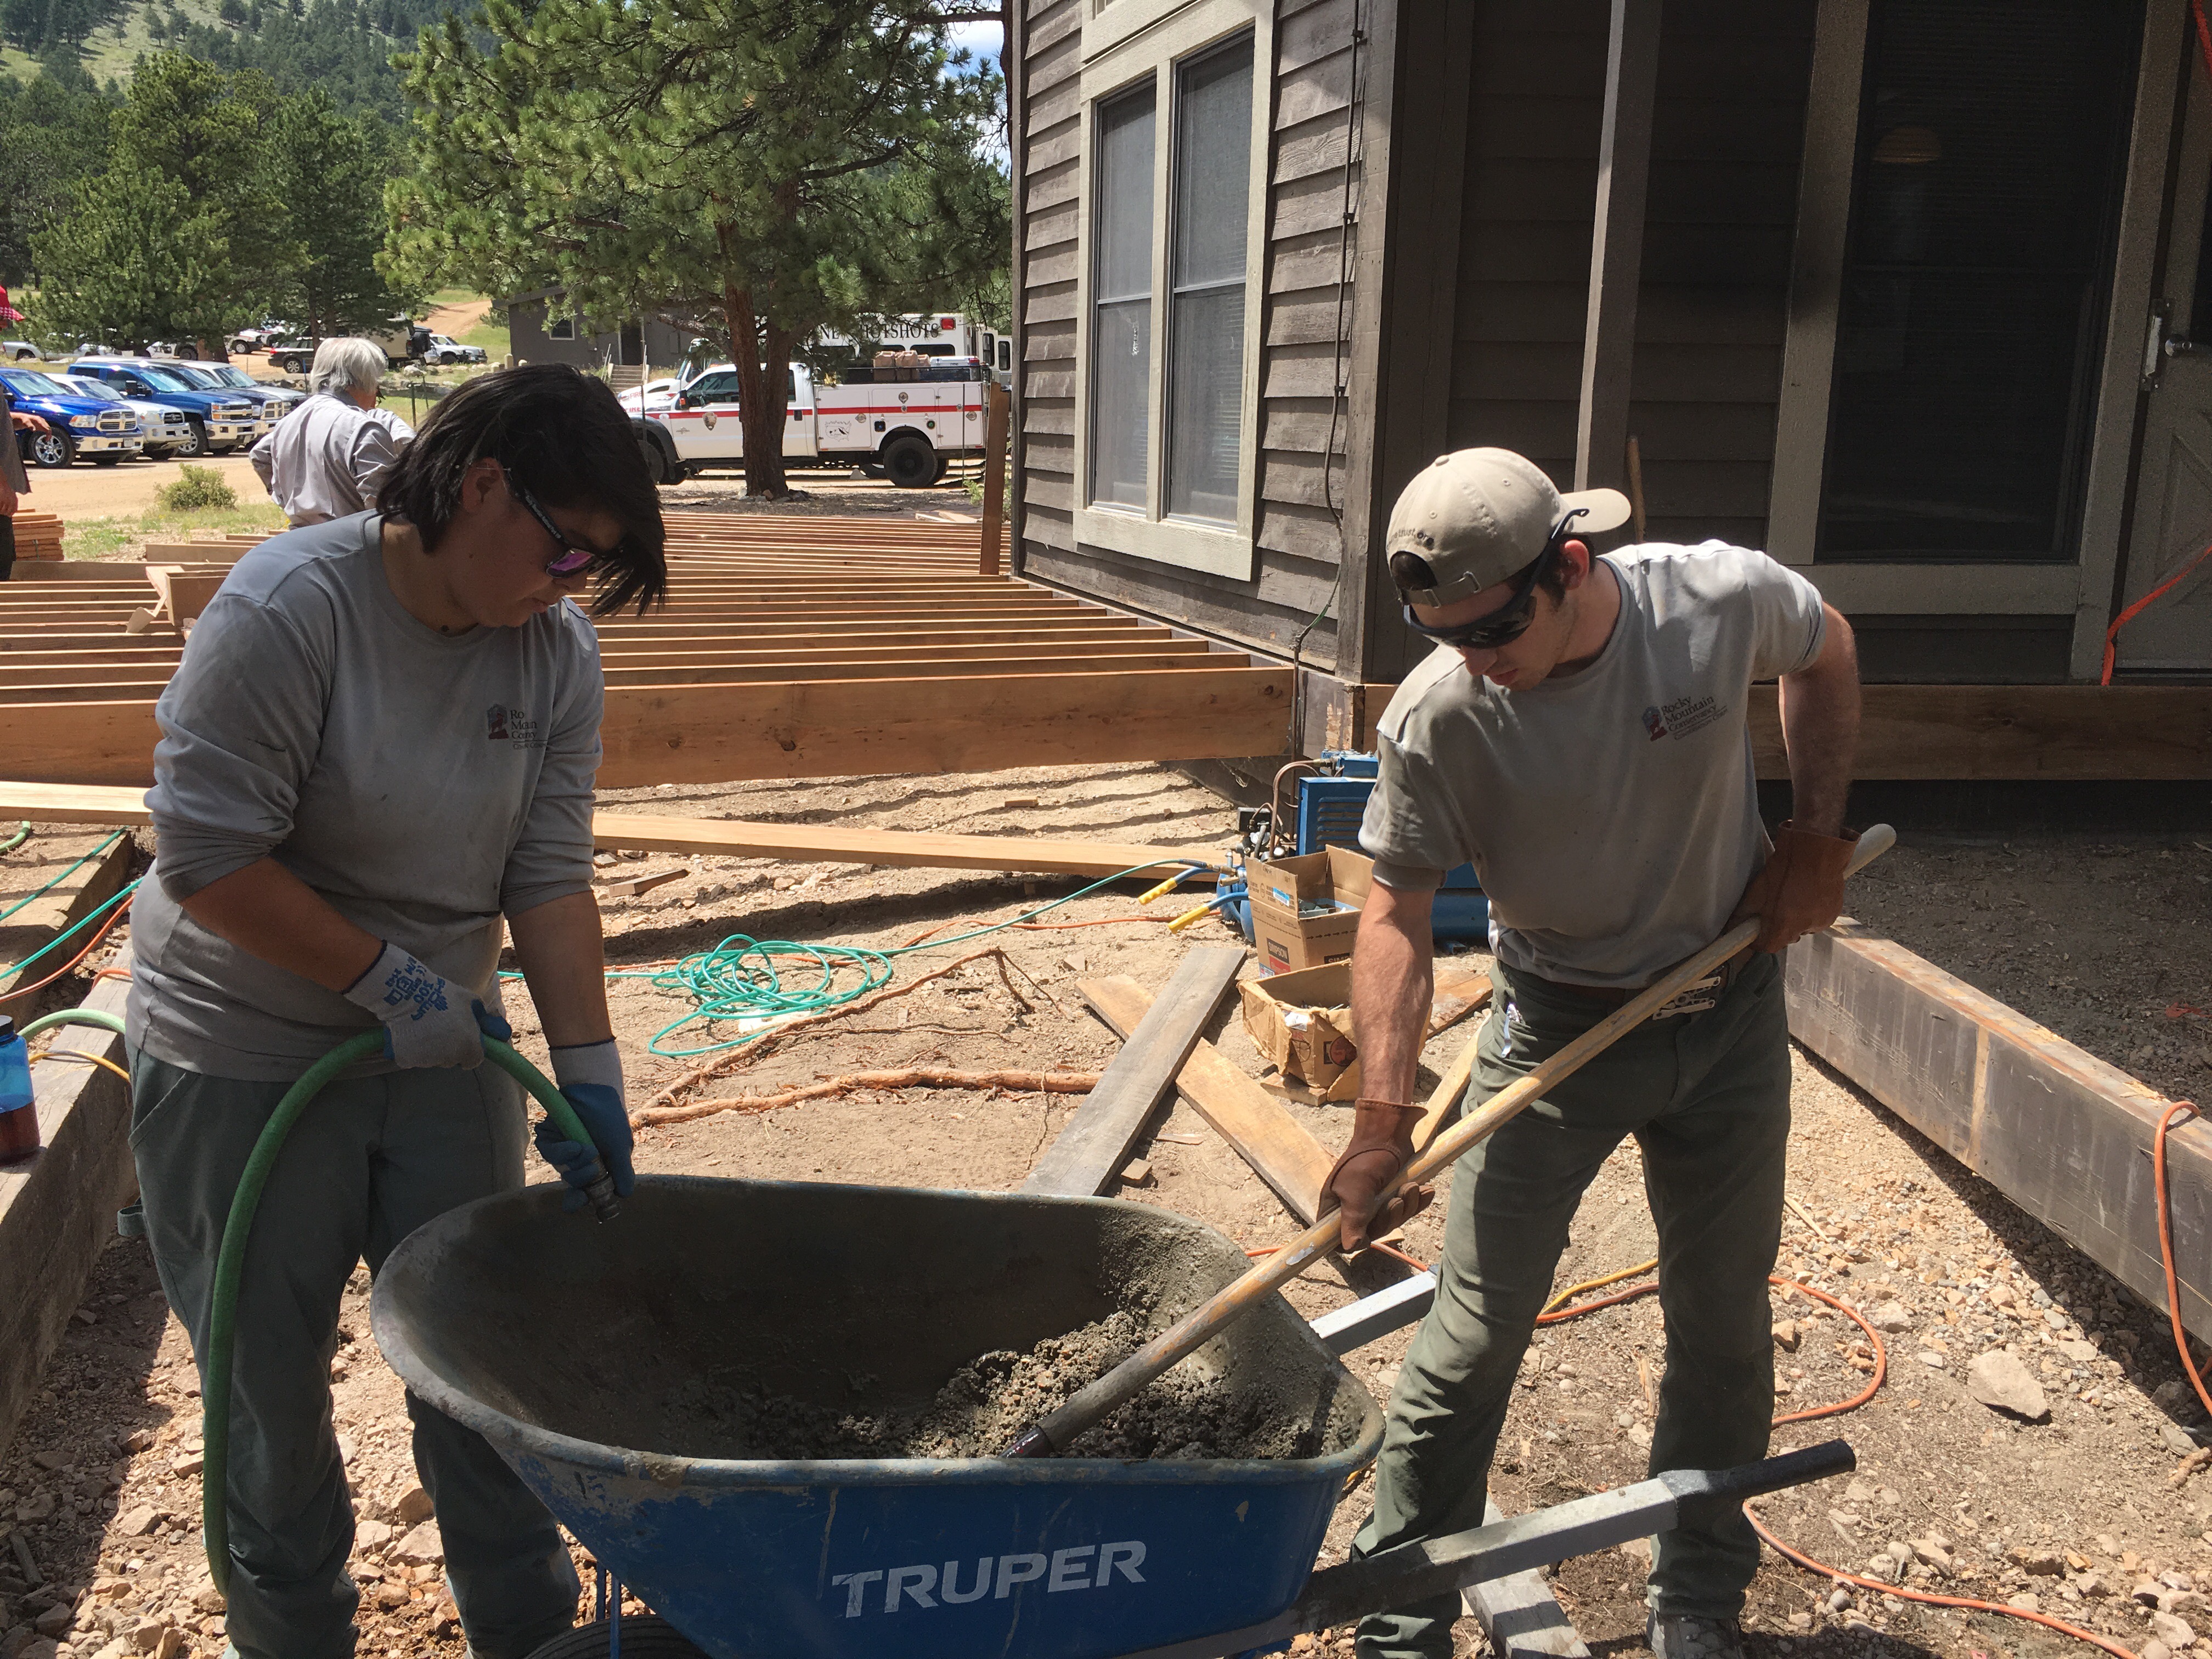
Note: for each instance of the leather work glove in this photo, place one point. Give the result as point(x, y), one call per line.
point(1800, 891)
point(427, 1022)
point(590, 1079)
point(1366, 1175)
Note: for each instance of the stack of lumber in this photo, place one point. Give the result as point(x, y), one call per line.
point(789, 647)
point(38, 535)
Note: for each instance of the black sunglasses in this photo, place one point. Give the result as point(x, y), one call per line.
point(574, 557)
point(1511, 620)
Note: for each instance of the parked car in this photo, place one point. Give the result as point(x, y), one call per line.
point(78, 425)
point(248, 340)
point(183, 349)
point(168, 431)
point(276, 401)
point(444, 349)
point(220, 420)
point(21, 351)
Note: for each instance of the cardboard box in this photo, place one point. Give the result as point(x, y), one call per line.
point(1302, 1022)
point(1305, 910)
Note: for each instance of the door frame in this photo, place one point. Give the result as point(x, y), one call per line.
point(2083, 588)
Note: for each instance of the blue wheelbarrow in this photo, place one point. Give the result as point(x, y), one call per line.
point(565, 1343)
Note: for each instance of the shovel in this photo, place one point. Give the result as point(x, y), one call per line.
point(1055, 1432)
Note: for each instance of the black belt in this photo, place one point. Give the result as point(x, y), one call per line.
point(1694, 997)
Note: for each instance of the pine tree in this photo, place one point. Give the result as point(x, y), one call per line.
point(766, 166)
point(135, 260)
point(327, 172)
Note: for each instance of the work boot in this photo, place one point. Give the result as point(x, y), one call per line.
point(1681, 1635)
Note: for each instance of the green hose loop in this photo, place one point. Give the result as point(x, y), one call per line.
point(17, 839)
point(230, 1263)
point(106, 1021)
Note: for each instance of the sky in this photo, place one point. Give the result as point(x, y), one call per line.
point(983, 39)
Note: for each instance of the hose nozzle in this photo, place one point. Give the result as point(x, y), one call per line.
point(600, 1189)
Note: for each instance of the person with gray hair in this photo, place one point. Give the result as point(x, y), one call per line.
point(328, 458)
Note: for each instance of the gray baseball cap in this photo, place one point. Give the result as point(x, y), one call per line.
point(1471, 518)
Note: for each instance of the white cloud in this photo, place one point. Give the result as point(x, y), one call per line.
point(983, 40)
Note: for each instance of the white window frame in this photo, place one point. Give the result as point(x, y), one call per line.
point(1126, 43)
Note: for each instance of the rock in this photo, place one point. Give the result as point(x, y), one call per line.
point(1928, 1359)
point(2147, 1592)
point(390, 1597)
point(42, 1647)
point(371, 1535)
point(1839, 1601)
point(420, 1548)
point(2092, 1586)
point(2155, 1649)
point(414, 1505)
point(2000, 1381)
point(172, 1644)
point(206, 1598)
point(118, 1648)
point(2171, 1393)
point(187, 1464)
point(2175, 1439)
point(2024, 1602)
point(2040, 1561)
point(2174, 1629)
point(138, 1523)
point(1892, 1315)
point(1786, 1336)
point(1801, 1621)
point(148, 1637)
point(55, 1620)
point(2176, 1579)
point(2077, 1351)
point(37, 1507)
point(1935, 1551)
point(51, 1460)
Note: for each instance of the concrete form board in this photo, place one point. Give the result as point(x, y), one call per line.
point(57, 1211)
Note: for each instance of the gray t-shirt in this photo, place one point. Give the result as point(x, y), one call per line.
point(1611, 813)
point(329, 457)
point(423, 784)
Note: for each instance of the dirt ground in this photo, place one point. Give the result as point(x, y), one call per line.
point(2075, 1511)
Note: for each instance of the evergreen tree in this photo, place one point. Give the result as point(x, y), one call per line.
point(52, 131)
point(134, 260)
point(774, 168)
point(328, 174)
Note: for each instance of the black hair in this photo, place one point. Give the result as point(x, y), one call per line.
point(562, 436)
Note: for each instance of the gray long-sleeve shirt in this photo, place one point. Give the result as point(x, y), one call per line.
point(328, 458)
point(424, 784)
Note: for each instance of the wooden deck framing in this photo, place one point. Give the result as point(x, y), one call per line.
point(790, 647)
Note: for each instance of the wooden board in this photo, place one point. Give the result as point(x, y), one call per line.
point(2063, 1134)
point(44, 919)
point(57, 1211)
point(1266, 1136)
point(1518, 1612)
point(1086, 1157)
point(47, 803)
point(2053, 731)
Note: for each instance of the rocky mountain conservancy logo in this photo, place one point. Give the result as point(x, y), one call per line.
point(514, 725)
point(1681, 717)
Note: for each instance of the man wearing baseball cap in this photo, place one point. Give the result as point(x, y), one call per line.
point(1579, 735)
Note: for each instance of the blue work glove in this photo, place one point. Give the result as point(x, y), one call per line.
point(591, 1080)
point(427, 1021)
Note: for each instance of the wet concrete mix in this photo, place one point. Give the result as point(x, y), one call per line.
point(989, 1401)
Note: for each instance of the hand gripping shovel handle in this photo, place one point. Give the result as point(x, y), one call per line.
point(1060, 1428)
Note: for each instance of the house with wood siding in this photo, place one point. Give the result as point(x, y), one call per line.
point(1904, 292)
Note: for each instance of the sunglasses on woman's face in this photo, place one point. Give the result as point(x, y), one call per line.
point(575, 557)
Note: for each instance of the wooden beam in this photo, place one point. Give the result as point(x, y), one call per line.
point(1260, 1127)
point(1518, 1612)
point(1624, 168)
point(55, 803)
point(2042, 732)
point(38, 923)
point(57, 1211)
point(1086, 1157)
point(997, 404)
point(2063, 1134)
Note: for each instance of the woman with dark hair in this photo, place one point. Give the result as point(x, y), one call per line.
point(379, 747)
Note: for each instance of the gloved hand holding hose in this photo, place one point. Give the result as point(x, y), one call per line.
point(590, 1079)
point(427, 1021)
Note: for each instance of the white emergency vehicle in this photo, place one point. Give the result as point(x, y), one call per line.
point(909, 429)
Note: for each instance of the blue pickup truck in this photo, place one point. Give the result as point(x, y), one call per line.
point(77, 425)
point(220, 420)
point(274, 402)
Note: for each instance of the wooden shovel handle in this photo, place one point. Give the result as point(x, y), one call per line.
point(1270, 1274)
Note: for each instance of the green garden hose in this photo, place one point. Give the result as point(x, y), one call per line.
point(106, 1021)
point(230, 1264)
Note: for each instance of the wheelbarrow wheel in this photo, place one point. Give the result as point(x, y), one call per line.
point(643, 1637)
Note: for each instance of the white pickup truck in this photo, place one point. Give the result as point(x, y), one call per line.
point(906, 429)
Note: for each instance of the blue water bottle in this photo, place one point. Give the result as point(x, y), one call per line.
point(19, 1113)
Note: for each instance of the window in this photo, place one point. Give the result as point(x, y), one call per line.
point(1121, 302)
point(1171, 213)
point(565, 329)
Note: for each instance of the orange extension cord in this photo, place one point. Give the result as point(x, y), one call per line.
point(1555, 1313)
point(91, 945)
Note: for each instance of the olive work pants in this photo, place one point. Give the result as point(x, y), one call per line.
point(1707, 1097)
point(370, 1160)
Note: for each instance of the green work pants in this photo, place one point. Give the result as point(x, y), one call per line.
point(370, 1160)
point(1707, 1097)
